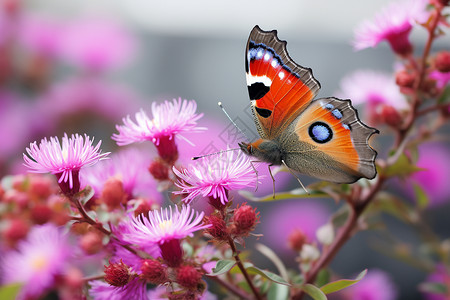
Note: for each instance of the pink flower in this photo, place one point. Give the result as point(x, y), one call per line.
point(135, 289)
point(38, 260)
point(442, 79)
point(165, 228)
point(41, 35)
point(434, 160)
point(374, 89)
point(170, 119)
point(393, 24)
point(376, 285)
point(97, 45)
point(66, 160)
point(214, 176)
point(130, 166)
point(285, 217)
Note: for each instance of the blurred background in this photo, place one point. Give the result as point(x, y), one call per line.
point(81, 66)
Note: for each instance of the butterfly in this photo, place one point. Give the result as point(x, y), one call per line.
point(322, 138)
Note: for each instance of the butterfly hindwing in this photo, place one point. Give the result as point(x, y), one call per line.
point(279, 88)
point(328, 141)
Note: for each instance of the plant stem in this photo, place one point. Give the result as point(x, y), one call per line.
point(242, 268)
point(235, 290)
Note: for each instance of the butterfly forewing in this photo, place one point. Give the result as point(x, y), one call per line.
point(279, 88)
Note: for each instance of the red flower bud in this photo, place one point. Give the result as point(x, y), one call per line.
point(391, 116)
point(442, 61)
point(117, 274)
point(245, 218)
point(16, 230)
point(188, 277)
point(404, 79)
point(296, 240)
point(154, 271)
point(41, 214)
point(91, 242)
point(159, 170)
point(218, 230)
point(113, 193)
point(167, 149)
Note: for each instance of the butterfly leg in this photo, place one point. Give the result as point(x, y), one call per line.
point(298, 179)
point(273, 180)
point(256, 172)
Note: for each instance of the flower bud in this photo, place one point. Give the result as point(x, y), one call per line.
point(113, 193)
point(309, 253)
point(245, 219)
point(17, 229)
point(325, 234)
point(404, 79)
point(41, 214)
point(117, 274)
point(91, 242)
point(159, 170)
point(442, 61)
point(154, 271)
point(188, 276)
point(391, 116)
point(218, 230)
point(41, 186)
point(296, 240)
point(171, 252)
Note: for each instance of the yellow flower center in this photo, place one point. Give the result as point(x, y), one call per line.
point(165, 225)
point(39, 262)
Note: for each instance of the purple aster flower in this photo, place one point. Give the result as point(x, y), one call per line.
point(130, 166)
point(37, 261)
point(65, 161)
point(215, 176)
point(165, 228)
point(393, 24)
point(170, 119)
point(433, 177)
point(374, 89)
point(376, 285)
point(135, 289)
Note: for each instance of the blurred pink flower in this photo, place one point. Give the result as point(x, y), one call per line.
point(373, 89)
point(214, 176)
point(63, 159)
point(434, 159)
point(38, 260)
point(393, 24)
point(97, 44)
point(130, 166)
point(376, 285)
point(135, 289)
point(441, 78)
point(41, 35)
point(81, 95)
point(440, 275)
point(282, 219)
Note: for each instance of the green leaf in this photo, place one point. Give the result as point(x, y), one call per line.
point(86, 194)
point(270, 254)
point(421, 197)
point(293, 194)
point(403, 167)
point(342, 283)
point(278, 292)
point(323, 277)
point(314, 292)
point(222, 266)
point(10, 292)
point(267, 274)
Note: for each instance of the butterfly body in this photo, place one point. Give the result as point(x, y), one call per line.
point(323, 138)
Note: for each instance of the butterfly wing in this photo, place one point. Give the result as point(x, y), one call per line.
point(279, 88)
point(328, 141)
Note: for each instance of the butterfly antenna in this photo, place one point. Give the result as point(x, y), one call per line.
point(214, 153)
point(231, 120)
point(298, 179)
